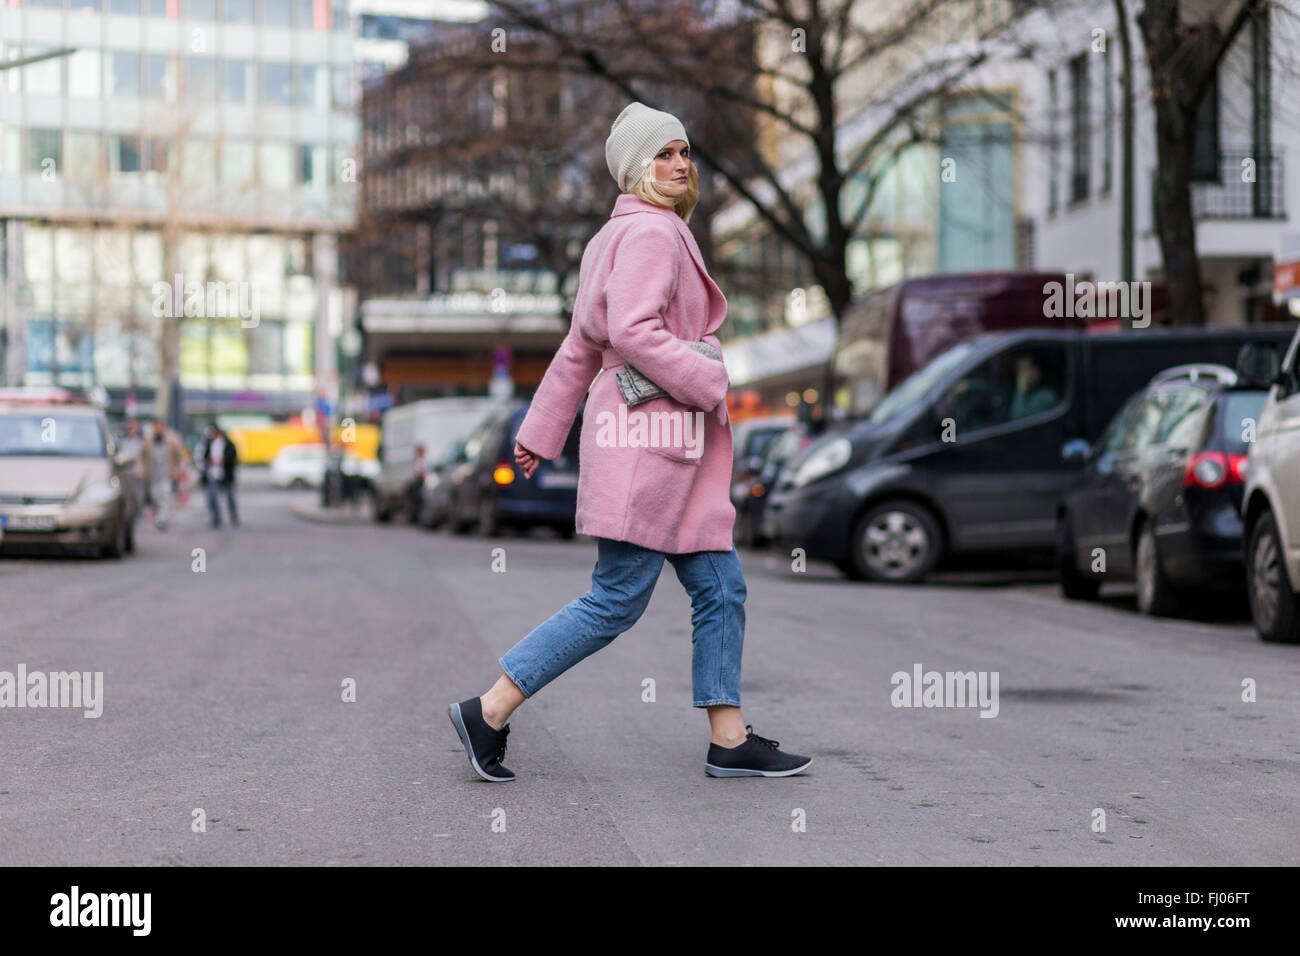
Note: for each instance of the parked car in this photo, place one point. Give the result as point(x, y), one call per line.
point(62, 481)
point(967, 454)
point(298, 466)
point(749, 493)
point(1271, 514)
point(435, 496)
point(434, 423)
point(1160, 498)
point(488, 491)
point(304, 466)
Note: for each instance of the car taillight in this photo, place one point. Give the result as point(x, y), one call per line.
point(1212, 469)
point(503, 474)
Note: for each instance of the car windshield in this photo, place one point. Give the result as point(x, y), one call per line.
point(51, 434)
point(919, 384)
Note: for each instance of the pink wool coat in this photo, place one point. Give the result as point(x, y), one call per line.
point(643, 293)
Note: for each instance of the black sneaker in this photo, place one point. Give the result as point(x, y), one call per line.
point(756, 757)
point(486, 747)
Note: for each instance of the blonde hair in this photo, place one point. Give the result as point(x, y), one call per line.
point(648, 189)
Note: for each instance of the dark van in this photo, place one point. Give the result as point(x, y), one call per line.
point(888, 335)
point(974, 452)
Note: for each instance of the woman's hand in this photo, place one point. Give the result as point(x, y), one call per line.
point(526, 460)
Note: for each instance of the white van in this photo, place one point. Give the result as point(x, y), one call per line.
point(1271, 505)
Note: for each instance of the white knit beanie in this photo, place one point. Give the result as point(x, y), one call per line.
point(637, 136)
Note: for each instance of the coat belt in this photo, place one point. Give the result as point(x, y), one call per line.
point(610, 358)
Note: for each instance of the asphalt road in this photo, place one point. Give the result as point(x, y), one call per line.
point(223, 692)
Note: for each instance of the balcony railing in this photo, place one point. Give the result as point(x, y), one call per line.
point(1250, 186)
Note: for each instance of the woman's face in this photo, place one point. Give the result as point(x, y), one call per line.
point(672, 164)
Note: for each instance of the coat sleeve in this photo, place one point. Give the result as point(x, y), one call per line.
point(555, 404)
point(641, 283)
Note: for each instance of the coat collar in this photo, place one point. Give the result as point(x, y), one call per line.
point(628, 203)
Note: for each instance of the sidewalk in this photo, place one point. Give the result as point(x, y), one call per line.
point(312, 511)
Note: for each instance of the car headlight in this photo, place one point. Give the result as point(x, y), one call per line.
point(100, 493)
point(829, 458)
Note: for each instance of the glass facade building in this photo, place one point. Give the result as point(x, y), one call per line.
point(205, 141)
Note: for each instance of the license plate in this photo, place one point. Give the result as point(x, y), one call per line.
point(28, 522)
point(557, 479)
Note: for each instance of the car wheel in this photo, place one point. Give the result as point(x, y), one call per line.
point(896, 541)
point(130, 537)
point(298, 484)
point(117, 547)
point(568, 531)
point(1274, 605)
point(488, 526)
point(1074, 585)
point(1155, 595)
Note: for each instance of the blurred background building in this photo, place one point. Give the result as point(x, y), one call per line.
point(208, 139)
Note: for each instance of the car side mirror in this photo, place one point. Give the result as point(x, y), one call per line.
point(1257, 364)
point(1076, 451)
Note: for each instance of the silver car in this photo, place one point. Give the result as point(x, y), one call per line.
point(61, 482)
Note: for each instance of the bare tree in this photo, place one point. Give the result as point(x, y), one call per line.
point(1183, 57)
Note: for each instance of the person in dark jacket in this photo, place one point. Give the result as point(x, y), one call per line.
point(217, 460)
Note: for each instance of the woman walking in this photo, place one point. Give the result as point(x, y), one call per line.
point(643, 295)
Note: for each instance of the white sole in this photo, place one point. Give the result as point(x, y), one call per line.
point(715, 771)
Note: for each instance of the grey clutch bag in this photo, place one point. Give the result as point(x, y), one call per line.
point(637, 388)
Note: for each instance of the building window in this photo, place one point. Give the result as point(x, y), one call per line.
point(238, 11)
point(200, 9)
point(1080, 129)
point(237, 81)
point(199, 161)
point(124, 153)
point(83, 155)
point(277, 13)
point(124, 74)
point(130, 8)
point(43, 147)
point(160, 77)
point(84, 70)
point(277, 84)
point(156, 157)
point(200, 80)
point(238, 162)
point(1053, 144)
point(45, 77)
point(1108, 134)
point(157, 8)
point(312, 92)
point(312, 161)
point(275, 162)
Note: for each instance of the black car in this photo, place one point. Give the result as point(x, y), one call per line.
point(749, 493)
point(967, 455)
point(488, 491)
point(1160, 498)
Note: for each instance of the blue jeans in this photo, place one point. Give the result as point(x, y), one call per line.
point(621, 585)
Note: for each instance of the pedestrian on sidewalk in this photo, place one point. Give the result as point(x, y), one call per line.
point(644, 294)
point(217, 461)
point(162, 459)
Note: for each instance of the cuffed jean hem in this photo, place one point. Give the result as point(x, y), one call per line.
point(714, 703)
point(514, 680)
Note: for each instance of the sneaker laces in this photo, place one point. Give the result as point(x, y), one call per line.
point(501, 753)
point(750, 735)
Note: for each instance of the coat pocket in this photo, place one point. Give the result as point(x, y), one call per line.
point(673, 430)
